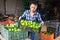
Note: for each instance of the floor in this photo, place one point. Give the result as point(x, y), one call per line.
point(1, 38)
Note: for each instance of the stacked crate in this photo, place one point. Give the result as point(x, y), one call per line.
point(12, 35)
point(47, 36)
point(52, 26)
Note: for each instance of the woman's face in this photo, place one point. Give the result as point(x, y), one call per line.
point(33, 7)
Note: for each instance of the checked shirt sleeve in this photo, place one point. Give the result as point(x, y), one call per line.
point(23, 15)
point(40, 20)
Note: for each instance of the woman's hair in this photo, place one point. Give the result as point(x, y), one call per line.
point(35, 3)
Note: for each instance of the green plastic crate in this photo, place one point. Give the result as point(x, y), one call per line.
point(12, 35)
point(1, 26)
point(51, 29)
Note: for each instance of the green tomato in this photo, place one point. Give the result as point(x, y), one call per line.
point(22, 24)
point(15, 25)
point(18, 29)
point(9, 29)
point(15, 30)
point(34, 23)
point(31, 22)
point(26, 23)
point(22, 21)
point(33, 26)
point(12, 29)
point(30, 26)
point(11, 25)
point(7, 25)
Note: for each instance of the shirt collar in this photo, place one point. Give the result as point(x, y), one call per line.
point(34, 13)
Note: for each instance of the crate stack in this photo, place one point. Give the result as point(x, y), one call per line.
point(52, 26)
point(47, 36)
point(14, 35)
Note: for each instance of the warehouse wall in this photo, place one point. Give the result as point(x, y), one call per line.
point(10, 6)
point(1, 6)
point(14, 6)
point(19, 7)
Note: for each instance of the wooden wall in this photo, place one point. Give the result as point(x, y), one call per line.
point(11, 6)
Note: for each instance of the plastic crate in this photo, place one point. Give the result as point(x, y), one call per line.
point(29, 25)
point(41, 39)
point(51, 29)
point(50, 37)
point(1, 28)
point(53, 24)
point(6, 22)
point(12, 35)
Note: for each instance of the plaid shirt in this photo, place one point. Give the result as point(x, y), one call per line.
point(35, 17)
